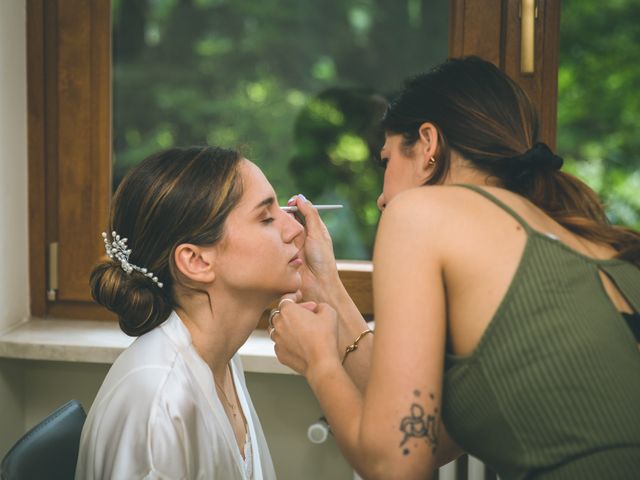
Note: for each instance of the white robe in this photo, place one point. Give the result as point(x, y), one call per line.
point(157, 416)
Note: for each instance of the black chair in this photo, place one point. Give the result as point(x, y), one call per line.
point(49, 450)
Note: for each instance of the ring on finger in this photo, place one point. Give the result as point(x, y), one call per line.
point(284, 300)
point(273, 313)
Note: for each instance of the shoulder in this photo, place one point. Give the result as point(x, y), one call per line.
point(430, 203)
point(149, 357)
point(118, 423)
point(149, 404)
point(432, 211)
point(141, 374)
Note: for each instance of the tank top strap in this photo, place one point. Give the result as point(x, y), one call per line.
point(499, 203)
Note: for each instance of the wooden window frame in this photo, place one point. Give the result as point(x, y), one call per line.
point(69, 133)
point(500, 42)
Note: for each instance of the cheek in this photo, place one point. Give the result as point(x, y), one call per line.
point(388, 178)
point(254, 247)
point(248, 249)
point(392, 183)
point(237, 249)
point(399, 176)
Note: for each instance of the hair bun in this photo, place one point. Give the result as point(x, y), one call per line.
point(139, 305)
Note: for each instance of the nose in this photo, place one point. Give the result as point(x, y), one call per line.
point(381, 202)
point(292, 228)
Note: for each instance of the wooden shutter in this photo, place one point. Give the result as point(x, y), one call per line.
point(69, 45)
point(493, 29)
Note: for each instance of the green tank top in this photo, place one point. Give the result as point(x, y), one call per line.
point(552, 391)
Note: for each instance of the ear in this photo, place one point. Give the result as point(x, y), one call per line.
point(428, 145)
point(196, 262)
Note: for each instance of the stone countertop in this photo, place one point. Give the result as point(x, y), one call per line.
point(91, 341)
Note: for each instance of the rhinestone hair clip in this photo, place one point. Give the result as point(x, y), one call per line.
point(117, 250)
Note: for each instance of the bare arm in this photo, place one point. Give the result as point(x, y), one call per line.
point(350, 325)
point(394, 429)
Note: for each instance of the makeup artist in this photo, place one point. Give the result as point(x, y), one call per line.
point(506, 305)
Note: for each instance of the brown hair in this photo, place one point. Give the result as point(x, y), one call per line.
point(180, 195)
point(486, 117)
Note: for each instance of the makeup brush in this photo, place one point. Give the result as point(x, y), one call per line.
point(293, 208)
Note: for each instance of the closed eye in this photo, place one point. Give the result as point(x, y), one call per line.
point(383, 162)
point(267, 221)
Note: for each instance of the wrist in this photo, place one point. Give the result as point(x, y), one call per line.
point(356, 343)
point(350, 321)
point(322, 370)
point(335, 291)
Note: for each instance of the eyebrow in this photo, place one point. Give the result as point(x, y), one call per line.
point(266, 202)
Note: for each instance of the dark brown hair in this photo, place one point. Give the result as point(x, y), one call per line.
point(487, 118)
point(180, 195)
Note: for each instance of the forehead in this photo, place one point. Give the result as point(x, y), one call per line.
point(255, 185)
point(391, 141)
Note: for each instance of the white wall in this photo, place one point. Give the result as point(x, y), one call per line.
point(14, 266)
point(30, 390)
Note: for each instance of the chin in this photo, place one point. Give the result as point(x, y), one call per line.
point(292, 285)
point(298, 280)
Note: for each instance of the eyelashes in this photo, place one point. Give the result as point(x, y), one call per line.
point(383, 163)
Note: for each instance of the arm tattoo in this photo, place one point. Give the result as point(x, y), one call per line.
point(420, 425)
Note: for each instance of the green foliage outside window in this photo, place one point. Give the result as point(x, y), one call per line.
point(599, 101)
point(297, 85)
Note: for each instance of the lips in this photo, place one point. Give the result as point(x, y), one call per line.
point(296, 260)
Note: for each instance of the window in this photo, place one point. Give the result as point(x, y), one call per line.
point(301, 84)
point(70, 109)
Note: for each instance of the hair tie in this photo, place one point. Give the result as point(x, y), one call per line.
point(540, 157)
point(519, 170)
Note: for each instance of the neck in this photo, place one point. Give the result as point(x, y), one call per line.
point(462, 171)
point(219, 324)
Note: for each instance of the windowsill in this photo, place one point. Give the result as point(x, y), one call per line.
point(90, 341)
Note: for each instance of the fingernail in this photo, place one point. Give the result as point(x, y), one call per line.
point(291, 200)
point(303, 197)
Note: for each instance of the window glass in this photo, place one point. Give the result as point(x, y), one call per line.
point(297, 85)
point(599, 101)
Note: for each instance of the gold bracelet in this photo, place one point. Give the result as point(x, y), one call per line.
point(354, 345)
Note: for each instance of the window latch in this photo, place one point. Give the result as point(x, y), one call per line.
point(528, 14)
point(52, 289)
